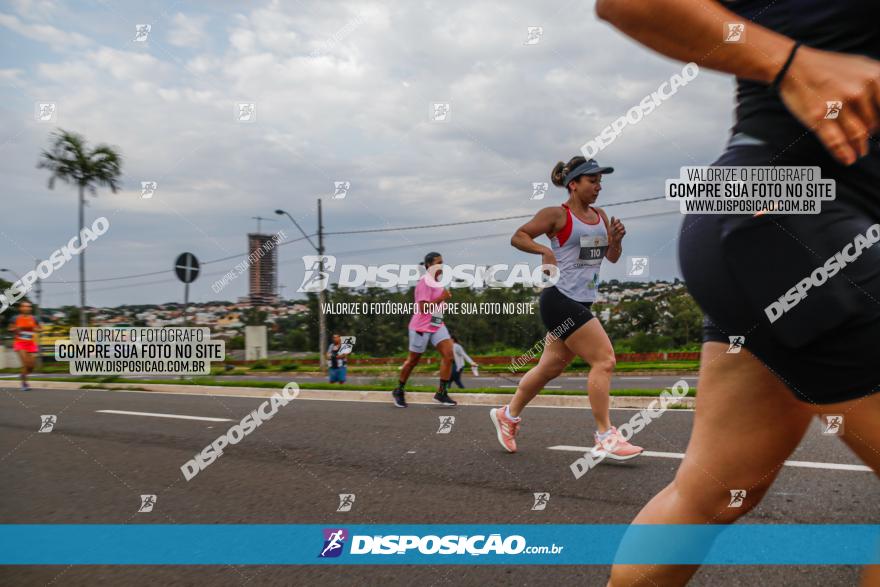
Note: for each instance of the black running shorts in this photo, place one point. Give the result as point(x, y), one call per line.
point(825, 347)
point(561, 314)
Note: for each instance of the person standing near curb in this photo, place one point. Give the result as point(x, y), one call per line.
point(460, 356)
point(337, 354)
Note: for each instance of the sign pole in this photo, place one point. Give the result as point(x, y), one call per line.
point(186, 267)
point(322, 297)
point(185, 303)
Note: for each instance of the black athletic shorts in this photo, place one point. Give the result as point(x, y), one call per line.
point(826, 347)
point(561, 314)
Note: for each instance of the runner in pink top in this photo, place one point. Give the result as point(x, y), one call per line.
point(427, 326)
point(431, 293)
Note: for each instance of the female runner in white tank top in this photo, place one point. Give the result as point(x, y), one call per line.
point(580, 238)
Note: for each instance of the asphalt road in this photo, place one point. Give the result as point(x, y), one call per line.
point(486, 380)
point(93, 467)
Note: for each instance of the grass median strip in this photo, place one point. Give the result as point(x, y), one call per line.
point(658, 367)
point(98, 386)
point(210, 381)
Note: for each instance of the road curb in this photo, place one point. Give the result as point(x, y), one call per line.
point(414, 397)
point(483, 373)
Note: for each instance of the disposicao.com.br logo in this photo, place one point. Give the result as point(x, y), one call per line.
point(452, 544)
point(318, 270)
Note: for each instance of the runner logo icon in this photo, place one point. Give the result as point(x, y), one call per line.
point(446, 423)
point(46, 112)
point(832, 424)
point(148, 189)
point(735, 32)
point(535, 33)
point(833, 108)
point(246, 111)
point(147, 503)
point(347, 345)
point(334, 541)
point(341, 189)
point(346, 501)
point(736, 344)
point(637, 266)
point(541, 500)
point(316, 279)
point(539, 190)
point(440, 112)
point(47, 423)
point(737, 497)
point(142, 32)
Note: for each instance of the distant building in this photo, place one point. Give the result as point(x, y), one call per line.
point(231, 320)
point(205, 318)
point(263, 271)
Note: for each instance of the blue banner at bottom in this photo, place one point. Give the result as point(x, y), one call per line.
point(472, 544)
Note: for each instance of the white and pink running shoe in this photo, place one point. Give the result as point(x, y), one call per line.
point(614, 447)
point(505, 427)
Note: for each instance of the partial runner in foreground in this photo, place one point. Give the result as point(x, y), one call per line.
point(820, 356)
point(581, 236)
point(427, 326)
point(25, 327)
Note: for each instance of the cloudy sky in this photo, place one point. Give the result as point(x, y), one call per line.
point(343, 92)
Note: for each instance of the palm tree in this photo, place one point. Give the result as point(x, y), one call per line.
point(72, 162)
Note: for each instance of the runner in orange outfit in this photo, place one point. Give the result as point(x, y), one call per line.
point(25, 326)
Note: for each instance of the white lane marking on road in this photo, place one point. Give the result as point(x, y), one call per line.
point(643, 378)
point(679, 455)
point(332, 399)
point(836, 466)
point(155, 415)
point(545, 387)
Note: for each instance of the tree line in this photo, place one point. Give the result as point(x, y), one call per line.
point(668, 321)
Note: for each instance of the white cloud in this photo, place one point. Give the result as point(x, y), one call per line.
point(187, 31)
point(357, 112)
point(202, 64)
point(35, 8)
point(129, 65)
point(56, 38)
point(68, 72)
point(11, 75)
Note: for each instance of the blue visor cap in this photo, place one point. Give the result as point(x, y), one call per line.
point(589, 167)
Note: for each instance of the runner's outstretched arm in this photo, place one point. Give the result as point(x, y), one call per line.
point(692, 30)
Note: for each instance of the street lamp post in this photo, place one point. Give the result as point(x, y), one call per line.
point(322, 318)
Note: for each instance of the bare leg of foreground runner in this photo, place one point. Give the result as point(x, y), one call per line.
point(746, 424)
